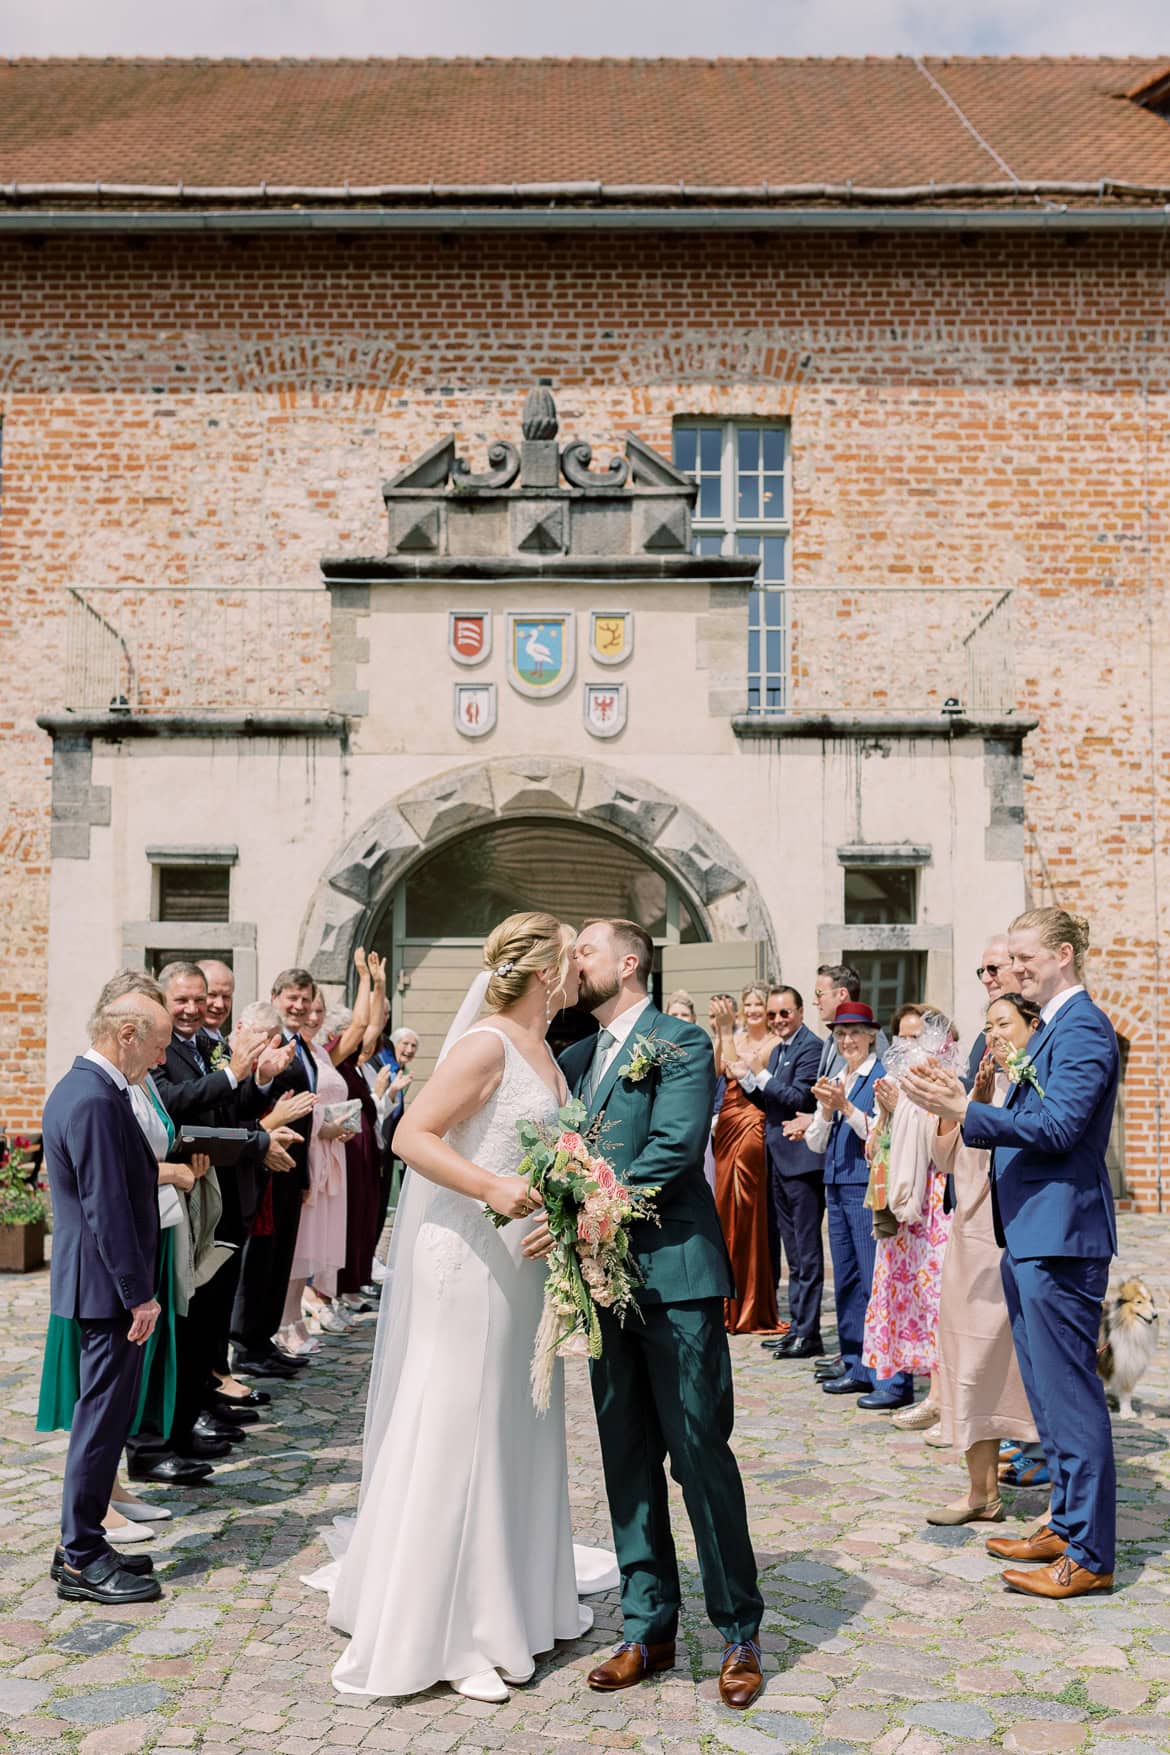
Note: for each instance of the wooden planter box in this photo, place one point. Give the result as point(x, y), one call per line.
point(22, 1247)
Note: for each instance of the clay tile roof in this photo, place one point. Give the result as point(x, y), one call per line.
point(883, 123)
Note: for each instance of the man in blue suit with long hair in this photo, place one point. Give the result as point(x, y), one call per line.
point(1053, 1210)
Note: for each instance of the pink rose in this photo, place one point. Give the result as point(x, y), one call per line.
point(572, 1143)
point(604, 1177)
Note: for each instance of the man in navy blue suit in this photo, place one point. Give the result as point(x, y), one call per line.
point(104, 1182)
point(795, 1174)
point(1053, 1209)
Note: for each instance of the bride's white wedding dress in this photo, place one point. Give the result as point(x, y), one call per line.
point(461, 1560)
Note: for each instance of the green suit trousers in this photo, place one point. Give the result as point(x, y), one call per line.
point(662, 1387)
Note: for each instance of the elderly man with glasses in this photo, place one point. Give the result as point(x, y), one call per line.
point(998, 977)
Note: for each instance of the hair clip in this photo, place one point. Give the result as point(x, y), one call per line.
point(504, 968)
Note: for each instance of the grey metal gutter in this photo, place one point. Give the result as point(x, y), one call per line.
point(117, 726)
point(836, 727)
point(33, 221)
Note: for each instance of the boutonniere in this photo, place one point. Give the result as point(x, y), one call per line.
point(1020, 1070)
point(649, 1052)
point(220, 1057)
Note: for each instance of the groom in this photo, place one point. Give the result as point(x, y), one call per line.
point(662, 1386)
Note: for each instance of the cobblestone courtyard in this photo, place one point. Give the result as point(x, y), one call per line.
point(881, 1633)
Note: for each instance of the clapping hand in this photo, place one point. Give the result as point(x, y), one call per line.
point(279, 1141)
point(247, 1047)
point(289, 1106)
point(360, 961)
point(886, 1092)
point(723, 1012)
point(377, 969)
point(983, 1089)
point(830, 1095)
point(936, 1089)
point(797, 1127)
point(274, 1059)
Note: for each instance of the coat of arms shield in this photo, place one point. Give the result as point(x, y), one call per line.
point(611, 635)
point(605, 708)
point(540, 651)
point(469, 635)
point(475, 708)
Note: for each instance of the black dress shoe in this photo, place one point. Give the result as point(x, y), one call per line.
point(239, 1414)
point(830, 1376)
point(293, 1361)
point(106, 1580)
point(196, 1449)
point(801, 1347)
point(886, 1401)
point(142, 1564)
point(775, 1343)
point(174, 1471)
point(847, 1386)
point(831, 1361)
point(219, 1431)
point(263, 1368)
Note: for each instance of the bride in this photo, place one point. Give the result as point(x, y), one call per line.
point(460, 1567)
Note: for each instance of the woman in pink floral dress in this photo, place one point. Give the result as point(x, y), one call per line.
point(901, 1321)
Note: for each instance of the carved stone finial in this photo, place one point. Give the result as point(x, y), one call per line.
point(539, 420)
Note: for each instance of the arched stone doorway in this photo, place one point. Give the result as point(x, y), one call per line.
point(647, 848)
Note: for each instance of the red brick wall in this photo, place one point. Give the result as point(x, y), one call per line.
point(964, 411)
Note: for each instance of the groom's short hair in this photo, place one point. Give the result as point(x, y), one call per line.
point(631, 940)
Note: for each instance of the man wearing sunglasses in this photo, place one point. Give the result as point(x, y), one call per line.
point(795, 1175)
point(995, 972)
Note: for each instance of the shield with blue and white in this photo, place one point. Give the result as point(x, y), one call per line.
point(541, 653)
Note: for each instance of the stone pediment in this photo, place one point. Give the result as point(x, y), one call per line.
point(539, 498)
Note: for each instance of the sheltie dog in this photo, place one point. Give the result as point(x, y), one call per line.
point(1129, 1334)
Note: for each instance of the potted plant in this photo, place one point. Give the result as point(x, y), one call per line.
point(24, 1211)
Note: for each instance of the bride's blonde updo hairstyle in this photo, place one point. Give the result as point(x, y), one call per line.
point(518, 949)
point(1057, 927)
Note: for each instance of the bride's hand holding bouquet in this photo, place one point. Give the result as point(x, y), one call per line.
point(585, 1235)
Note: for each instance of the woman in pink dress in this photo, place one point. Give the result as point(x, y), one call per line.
point(901, 1320)
point(320, 1249)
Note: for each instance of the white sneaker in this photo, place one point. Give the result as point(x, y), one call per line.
point(487, 1685)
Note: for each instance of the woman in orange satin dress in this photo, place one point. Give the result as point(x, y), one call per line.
point(741, 1166)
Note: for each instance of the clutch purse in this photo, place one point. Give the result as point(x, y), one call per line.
point(347, 1114)
point(223, 1145)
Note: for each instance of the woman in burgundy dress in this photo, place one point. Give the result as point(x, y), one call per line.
point(741, 1165)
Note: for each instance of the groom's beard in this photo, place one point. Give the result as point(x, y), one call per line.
point(593, 992)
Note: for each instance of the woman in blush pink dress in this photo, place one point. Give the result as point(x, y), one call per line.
point(320, 1249)
point(901, 1320)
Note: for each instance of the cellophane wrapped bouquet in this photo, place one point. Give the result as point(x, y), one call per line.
point(589, 1213)
point(934, 1044)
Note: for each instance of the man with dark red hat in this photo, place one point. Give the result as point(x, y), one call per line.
point(839, 1130)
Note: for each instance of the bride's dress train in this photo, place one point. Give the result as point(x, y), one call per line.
point(461, 1558)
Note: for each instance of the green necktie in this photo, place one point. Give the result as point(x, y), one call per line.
point(605, 1041)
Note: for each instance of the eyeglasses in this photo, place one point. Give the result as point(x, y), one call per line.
point(991, 969)
point(782, 1012)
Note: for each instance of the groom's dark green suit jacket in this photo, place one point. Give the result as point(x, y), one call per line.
point(655, 1132)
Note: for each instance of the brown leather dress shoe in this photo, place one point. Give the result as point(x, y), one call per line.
point(1045, 1546)
point(1064, 1579)
point(631, 1663)
point(740, 1678)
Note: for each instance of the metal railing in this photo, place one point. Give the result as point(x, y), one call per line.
point(203, 649)
point(913, 651)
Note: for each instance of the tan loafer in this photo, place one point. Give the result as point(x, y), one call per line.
point(1044, 1546)
point(1063, 1579)
point(919, 1418)
point(740, 1677)
point(629, 1664)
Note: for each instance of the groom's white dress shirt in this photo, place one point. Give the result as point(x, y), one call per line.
point(1058, 1002)
point(621, 1029)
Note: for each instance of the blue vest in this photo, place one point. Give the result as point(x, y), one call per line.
point(845, 1154)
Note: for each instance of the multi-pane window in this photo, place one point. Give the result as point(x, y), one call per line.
point(194, 892)
point(743, 508)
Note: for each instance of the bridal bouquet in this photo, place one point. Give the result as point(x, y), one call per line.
point(589, 1213)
